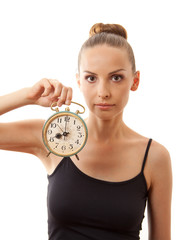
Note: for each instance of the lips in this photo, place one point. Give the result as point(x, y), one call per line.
point(104, 104)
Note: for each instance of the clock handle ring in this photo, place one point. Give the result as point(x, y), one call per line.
point(54, 104)
point(57, 109)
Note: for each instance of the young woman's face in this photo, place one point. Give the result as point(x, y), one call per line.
point(105, 79)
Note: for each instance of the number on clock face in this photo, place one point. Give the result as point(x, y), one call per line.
point(66, 135)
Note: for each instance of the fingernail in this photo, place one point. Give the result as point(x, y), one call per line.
point(67, 102)
point(59, 104)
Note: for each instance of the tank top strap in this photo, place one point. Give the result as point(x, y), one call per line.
point(146, 153)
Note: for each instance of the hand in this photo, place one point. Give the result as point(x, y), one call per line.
point(47, 91)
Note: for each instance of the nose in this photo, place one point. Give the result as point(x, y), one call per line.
point(103, 90)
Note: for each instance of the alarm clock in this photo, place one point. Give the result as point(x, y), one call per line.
point(65, 133)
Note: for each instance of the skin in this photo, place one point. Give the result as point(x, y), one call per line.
point(109, 137)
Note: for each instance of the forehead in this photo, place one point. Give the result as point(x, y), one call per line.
point(104, 57)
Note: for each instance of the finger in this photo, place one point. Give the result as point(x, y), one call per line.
point(47, 87)
point(57, 88)
point(69, 96)
point(36, 91)
point(63, 96)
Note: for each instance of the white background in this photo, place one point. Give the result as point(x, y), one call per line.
point(40, 38)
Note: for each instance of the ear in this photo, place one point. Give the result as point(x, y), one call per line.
point(135, 82)
point(78, 80)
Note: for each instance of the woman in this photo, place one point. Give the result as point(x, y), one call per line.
point(102, 196)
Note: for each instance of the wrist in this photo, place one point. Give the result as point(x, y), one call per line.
point(28, 100)
point(14, 100)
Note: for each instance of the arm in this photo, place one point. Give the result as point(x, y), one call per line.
point(13, 100)
point(25, 136)
point(160, 194)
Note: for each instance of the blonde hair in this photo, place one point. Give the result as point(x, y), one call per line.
point(113, 35)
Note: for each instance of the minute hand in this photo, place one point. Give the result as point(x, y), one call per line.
point(65, 130)
point(60, 128)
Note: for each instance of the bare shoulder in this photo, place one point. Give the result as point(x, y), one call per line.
point(22, 136)
point(31, 129)
point(159, 155)
point(160, 192)
point(36, 126)
point(159, 163)
point(50, 161)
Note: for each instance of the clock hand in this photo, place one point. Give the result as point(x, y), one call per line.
point(60, 127)
point(65, 129)
point(64, 133)
point(58, 135)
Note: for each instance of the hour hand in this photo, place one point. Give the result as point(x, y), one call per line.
point(58, 135)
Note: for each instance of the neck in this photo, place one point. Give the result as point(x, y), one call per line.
point(106, 131)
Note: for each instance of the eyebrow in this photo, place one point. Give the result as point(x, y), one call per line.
point(118, 70)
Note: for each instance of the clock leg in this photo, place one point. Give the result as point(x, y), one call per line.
point(77, 157)
point(48, 154)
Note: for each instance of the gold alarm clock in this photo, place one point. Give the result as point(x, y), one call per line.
point(65, 133)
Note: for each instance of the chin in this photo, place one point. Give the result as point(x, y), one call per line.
point(107, 115)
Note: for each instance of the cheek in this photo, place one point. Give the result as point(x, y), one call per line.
point(122, 95)
point(88, 95)
point(87, 90)
point(125, 99)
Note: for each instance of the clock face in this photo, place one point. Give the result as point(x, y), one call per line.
point(65, 134)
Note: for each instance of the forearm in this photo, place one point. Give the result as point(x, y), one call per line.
point(43, 93)
point(14, 100)
point(25, 136)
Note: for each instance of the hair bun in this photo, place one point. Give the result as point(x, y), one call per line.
point(108, 28)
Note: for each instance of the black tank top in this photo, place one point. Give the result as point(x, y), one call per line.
point(81, 207)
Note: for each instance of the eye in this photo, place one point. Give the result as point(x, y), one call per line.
point(117, 78)
point(90, 78)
